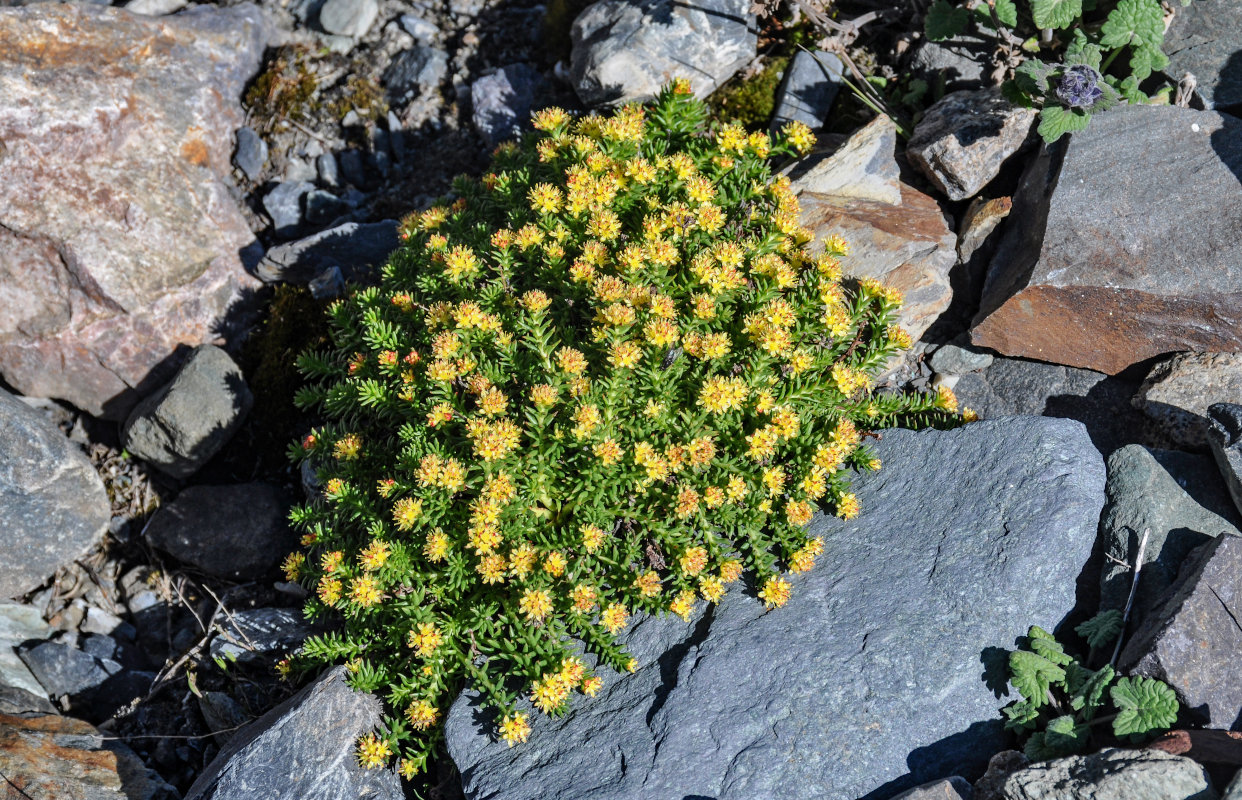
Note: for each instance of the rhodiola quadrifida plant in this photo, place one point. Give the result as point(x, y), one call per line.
point(610, 378)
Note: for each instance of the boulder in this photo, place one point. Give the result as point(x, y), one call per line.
point(1084, 276)
point(627, 50)
point(965, 138)
point(1224, 437)
point(1205, 39)
point(1179, 390)
point(353, 247)
point(501, 102)
point(182, 425)
point(1112, 774)
point(1193, 639)
point(960, 63)
point(1220, 752)
point(808, 88)
point(896, 233)
point(868, 681)
point(53, 503)
point(1178, 497)
point(57, 757)
point(302, 750)
point(234, 532)
point(119, 238)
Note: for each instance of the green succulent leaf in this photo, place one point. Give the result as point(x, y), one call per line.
point(1102, 629)
point(1032, 674)
point(944, 21)
point(1138, 25)
point(1055, 122)
point(1056, 14)
point(1147, 706)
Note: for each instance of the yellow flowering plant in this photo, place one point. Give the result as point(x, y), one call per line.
point(611, 377)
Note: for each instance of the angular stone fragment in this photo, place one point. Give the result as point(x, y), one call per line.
point(1204, 40)
point(1220, 752)
point(1086, 276)
point(869, 676)
point(865, 167)
point(810, 84)
point(1112, 774)
point(52, 502)
point(302, 750)
point(353, 247)
point(253, 634)
point(502, 102)
point(954, 788)
point(119, 238)
point(961, 63)
point(1225, 440)
point(624, 50)
point(348, 17)
point(20, 625)
point(1193, 639)
point(227, 531)
point(180, 427)
point(953, 360)
point(1178, 391)
point(964, 139)
point(1179, 498)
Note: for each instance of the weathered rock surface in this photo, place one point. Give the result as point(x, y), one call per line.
point(417, 71)
point(962, 63)
point(348, 17)
point(1224, 437)
point(18, 625)
point(1205, 39)
point(302, 750)
point(950, 359)
point(1193, 639)
point(353, 247)
point(868, 680)
point(809, 87)
point(896, 233)
point(252, 634)
point(235, 531)
point(1234, 790)
point(964, 139)
point(625, 50)
point(119, 239)
point(1178, 391)
point(1112, 774)
point(182, 425)
point(58, 758)
point(1180, 498)
point(502, 102)
point(52, 501)
point(954, 788)
point(1083, 277)
point(1220, 752)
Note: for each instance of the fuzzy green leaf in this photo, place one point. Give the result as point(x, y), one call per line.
point(944, 21)
point(1055, 14)
point(1022, 715)
point(1050, 649)
point(1066, 735)
point(1102, 629)
point(1147, 706)
point(1055, 122)
point(1089, 697)
point(1006, 12)
point(1139, 25)
point(1031, 674)
point(1083, 51)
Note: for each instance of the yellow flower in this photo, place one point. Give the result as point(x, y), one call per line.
point(331, 561)
point(439, 414)
point(571, 360)
point(545, 198)
point(549, 693)
point(945, 399)
point(373, 752)
point(661, 332)
point(592, 537)
point(687, 501)
point(293, 566)
point(774, 479)
point(425, 639)
point(365, 591)
point(614, 617)
point(848, 506)
point(436, 547)
point(374, 556)
point(536, 604)
point(515, 729)
point(693, 561)
point(535, 301)
point(329, 590)
point(711, 588)
point(543, 395)
point(631, 665)
point(683, 604)
point(548, 119)
point(522, 559)
point(583, 598)
point(713, 497)
point(346, 448)
point(648, 584)
point(592, 685)
point(720, 394)
point(421, 714)
point(730, 571)
point(799, 136)
point(587, 419)
point(554, 564)
point(491, 568)
point(608, 451)
point(460, 262)
point(737, 489)
point(775, 592)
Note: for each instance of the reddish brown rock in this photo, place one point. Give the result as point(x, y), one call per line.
point(1123, 244)
point(119, 239)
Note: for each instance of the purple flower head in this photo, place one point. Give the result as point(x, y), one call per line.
point(1079, 87)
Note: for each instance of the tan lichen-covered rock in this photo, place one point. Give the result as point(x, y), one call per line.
point(119, 239)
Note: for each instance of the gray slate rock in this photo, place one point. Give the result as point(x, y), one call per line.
point(965, 138)
point(234, 532)
point(20, 624)
point(65, 670)
point(1234, 790)
point(52, 501)
point(254, 634)
point(868, 679)
point(21, 702)
point(627, 50)
point(284, 205)
point(251, 153)
point(950, 359)
point(808, 89)
point(415, 72)
point(1205, 39)
point(323, 207)
point(1112, 774)
point(962, 63)
point(328, 171)
point(1192, 641)
point(954, 788)
point(423, 31)
point(222, 714)
point(302, 750)
point(1180, 497)
point(352, 168)
point(351, 18)
point(354, 247)
point(1178, 391)
point(1224, 437)
point(502, 102)
point(186, 422)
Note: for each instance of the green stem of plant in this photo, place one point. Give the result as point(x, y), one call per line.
point(1113, 57)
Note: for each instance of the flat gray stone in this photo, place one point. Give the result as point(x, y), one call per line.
point(234, 532)
point(1180, 498)
point(302, 750)
point(808, 89)
point(186, 422)
point(965, 138)
point(501, 102)
point(255, 634)
point(424, 31)
point(1225, 440)
point(865, 167)
point(1178, 391)
point(950, 359)
point(954, 788)
point(1192, 640)
point(868, 679)
point(354, 247)
point(284, 206)
point(962, 63)
point(20, 624)
point(351, 18)
point(52, 501)
point(66, 670)
point(1112, 774)
point(627, 50)
point(251, 153)
point(1205, 39)
point(415, 72)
